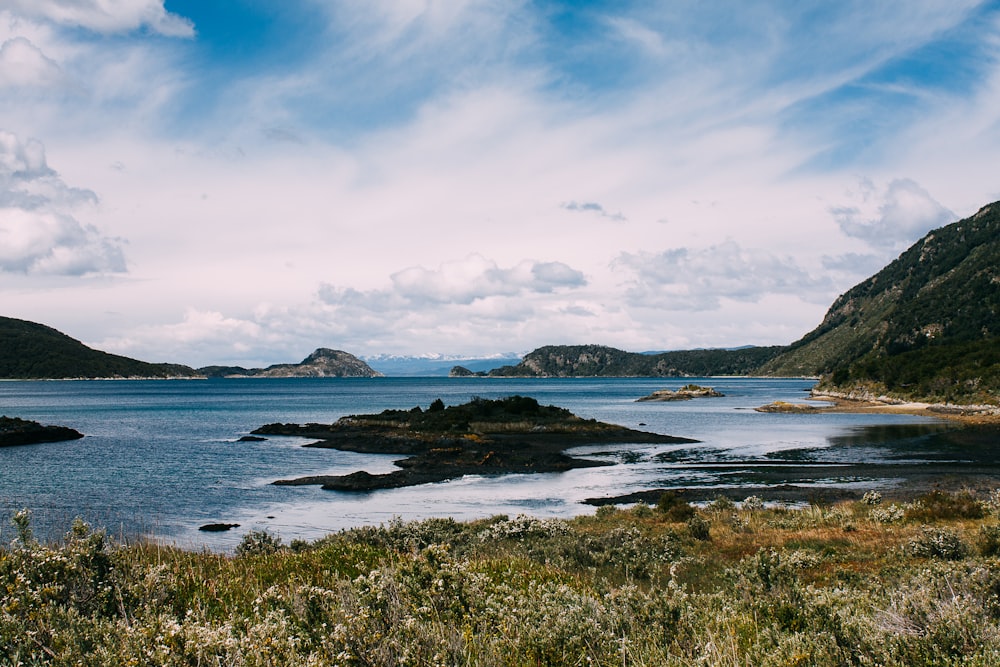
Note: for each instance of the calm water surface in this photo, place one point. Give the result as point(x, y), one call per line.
point(161, 457)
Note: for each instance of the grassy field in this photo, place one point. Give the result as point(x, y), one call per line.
point(866, 583)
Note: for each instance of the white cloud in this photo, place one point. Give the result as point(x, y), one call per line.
point(106, 16)
point(894, 218)
point(460, 282)
point(42, 242)
point(593, 207)
point(476, 277)
point(699, 279)
point(23, 65)
point(38, 234)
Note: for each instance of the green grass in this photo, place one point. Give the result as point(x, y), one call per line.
point(852, 584)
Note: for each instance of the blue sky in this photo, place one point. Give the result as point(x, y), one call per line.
point(244, 181)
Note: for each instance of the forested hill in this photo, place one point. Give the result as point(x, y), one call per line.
point(602, 361)
point(35, 351)
point(925, 326)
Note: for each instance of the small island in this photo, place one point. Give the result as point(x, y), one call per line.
point(784, 407)
point(16, 431)
point(685, 393)
point(481, 437)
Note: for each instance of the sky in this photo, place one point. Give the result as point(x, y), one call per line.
point(243, 181)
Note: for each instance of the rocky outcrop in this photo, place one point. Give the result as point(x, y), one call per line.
point(685, 393)
point(787, 408)
point(482, 437)
point(15, 431)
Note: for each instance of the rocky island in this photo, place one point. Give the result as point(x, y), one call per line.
point(322, 363)
point(482, 437)
point(15, 431)
point(685, 393)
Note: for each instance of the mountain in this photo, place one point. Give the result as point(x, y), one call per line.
point(602, 361)
point(434, 365)
point(35, 351)
point(925, 326)
point(322, 363)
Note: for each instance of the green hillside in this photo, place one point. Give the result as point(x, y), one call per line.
point(924, 327)
point(602, 361)
point(35, 351)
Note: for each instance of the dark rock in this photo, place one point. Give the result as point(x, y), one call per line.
point(482, 437)
point(251, 438)
point(685, 393)
point(16, 431)
point(218, 527)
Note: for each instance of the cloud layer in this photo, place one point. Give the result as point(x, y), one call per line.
point(470, 177)
point(38, 234)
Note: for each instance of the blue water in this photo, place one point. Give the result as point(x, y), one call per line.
point(161, 458)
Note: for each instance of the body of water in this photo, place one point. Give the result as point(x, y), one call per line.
point(161, 458)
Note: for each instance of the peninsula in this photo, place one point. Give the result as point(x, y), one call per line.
point(481, 437)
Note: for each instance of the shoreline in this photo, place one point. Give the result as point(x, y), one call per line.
point(977, 415)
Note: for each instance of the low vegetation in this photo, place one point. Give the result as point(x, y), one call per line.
point(866, 583)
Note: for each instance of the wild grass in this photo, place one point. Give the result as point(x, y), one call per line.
point(728, 584)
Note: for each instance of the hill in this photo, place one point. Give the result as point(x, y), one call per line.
point(323, 362)
point(35, 351)
point(924, 327)
point(602, 361)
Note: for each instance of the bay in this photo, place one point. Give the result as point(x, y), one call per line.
point(160, 458)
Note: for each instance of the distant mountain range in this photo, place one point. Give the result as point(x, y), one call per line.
point(434, 365)
point(925, 327)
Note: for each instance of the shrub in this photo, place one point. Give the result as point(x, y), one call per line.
point(641, 511)
point(258, 543)
point(698, 528)
point(606, 511)
point(674, 508)
point(872, 498)
point(939, 543)
point(989, 540)
point(938, 505)
point(888, 514)
point(722, 505)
